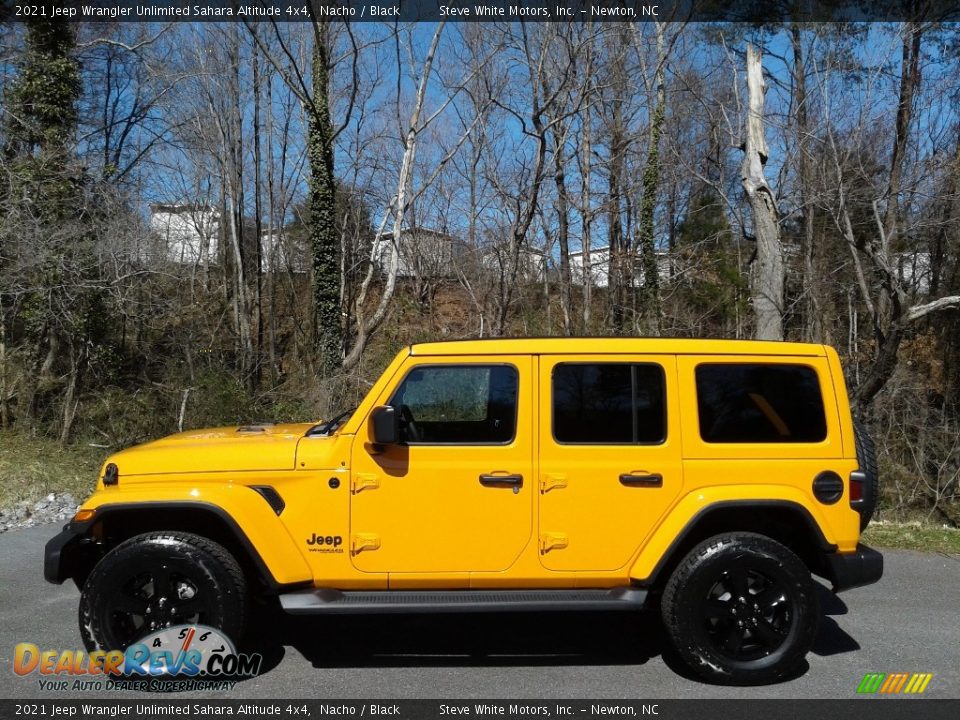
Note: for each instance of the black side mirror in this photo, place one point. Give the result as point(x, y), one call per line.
point(385, 424)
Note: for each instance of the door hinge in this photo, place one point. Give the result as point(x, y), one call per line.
point(364, 481)
point(553, 541)
point(364, 541)
point(552, 481)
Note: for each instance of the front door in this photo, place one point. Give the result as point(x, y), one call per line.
point(455, 495)
point(610, 461)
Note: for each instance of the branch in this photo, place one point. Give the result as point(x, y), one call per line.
point(945, 303)
point(125, 46)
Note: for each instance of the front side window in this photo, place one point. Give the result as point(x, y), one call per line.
point(608, 404)
point(760, 403)
point(458, 405)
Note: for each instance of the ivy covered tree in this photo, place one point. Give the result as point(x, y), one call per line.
point(324, 237)
point(41, 121)
point(55, 311)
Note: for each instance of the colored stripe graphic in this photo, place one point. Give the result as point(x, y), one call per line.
point(927, 677)
point(894, 683)
point(871, 682)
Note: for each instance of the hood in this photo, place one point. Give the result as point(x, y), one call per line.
point(225, 449)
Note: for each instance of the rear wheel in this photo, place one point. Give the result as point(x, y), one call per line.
point(741, 609)
point(156, 580)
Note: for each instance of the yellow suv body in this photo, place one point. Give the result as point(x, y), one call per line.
point(525, 474)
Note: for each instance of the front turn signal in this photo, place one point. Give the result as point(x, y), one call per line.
point(84, 515)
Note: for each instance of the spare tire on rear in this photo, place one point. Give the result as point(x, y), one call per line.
point(867, 457)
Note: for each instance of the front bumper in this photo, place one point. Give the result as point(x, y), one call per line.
point(863, 566)
point(69, 554)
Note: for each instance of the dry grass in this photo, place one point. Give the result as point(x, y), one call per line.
point(913, 536)
point(32, 467)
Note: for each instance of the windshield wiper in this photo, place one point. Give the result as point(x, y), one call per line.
point(328, 426)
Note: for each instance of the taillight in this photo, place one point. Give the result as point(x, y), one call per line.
point(857, 481)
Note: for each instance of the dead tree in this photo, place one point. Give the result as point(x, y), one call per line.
point(768, 275)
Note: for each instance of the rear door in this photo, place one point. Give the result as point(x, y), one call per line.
point(610, 461)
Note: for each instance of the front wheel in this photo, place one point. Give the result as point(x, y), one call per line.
point(741, 609)
point(156, 580)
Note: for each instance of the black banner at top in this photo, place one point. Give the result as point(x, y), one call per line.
point(749, 11)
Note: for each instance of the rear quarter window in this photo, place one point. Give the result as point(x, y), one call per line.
point(759, 403)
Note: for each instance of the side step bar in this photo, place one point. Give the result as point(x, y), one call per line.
point(327, 601)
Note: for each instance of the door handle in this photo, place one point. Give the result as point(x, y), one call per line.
point(641, 478)
point(494, 480)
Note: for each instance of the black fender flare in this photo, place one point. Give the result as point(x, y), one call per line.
point(688, 537)
point(74, 551)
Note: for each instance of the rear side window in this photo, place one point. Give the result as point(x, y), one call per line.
point(608, 404)
point(760, 403)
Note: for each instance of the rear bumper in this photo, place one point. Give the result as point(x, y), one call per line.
point(863, 566)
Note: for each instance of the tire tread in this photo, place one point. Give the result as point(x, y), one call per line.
point(867, 458)
point(220, 555)
point(674, 610)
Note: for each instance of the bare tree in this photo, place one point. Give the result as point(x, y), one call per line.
point(769, 272)
point(887, 302)
point(365, 326)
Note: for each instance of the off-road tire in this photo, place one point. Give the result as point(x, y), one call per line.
point(139, 572)
point(867, 458)
point(702, 622)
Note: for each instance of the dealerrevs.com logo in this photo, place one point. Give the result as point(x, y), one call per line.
point(181, 657)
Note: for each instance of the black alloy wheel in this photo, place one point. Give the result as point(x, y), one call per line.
point(747, 614)
point(741, 609)
point(157, 580)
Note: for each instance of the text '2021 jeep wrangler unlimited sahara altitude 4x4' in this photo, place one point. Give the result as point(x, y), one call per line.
point(711, 477)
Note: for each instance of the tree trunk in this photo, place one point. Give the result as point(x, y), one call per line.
point(768, 276)
point(70, 402)
point(615, 244)
point(242, 303)
point(648, 302)
point(587, 212)
point(258, 219)
point(814, 327)
point(563, 231)
point(324, 238)
point(909, 82)
point(365, 328)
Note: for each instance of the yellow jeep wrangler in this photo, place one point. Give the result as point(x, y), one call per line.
point(708, 478)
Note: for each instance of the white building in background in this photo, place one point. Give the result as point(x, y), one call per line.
point(185, 233)
point(423, 253)
point(431, 255)
point(282, 253)
point(600, 267)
